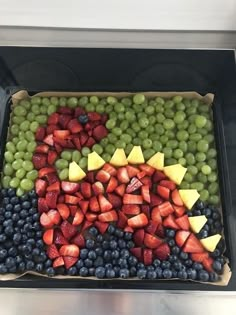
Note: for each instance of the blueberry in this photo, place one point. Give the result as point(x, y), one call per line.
point(111, 229)
point(203, 275)
point(218, 226)
point(197, 212)
point(79, 264)
point(192, 273)
point(39, 267)
point(50, 272)
point(175, 250)
point(10, 262)
point(99, 251)
point(34, 202)
point(133, 271)
point(9, 207)
point(121, 244)
point(32, 194)
point(72, 271)
point(177, 265)
point(3, 254)
point(92, 255)
point(30, 265)
point(98, 262)
point(42, 257)
point(142, 273)
point(217, 266)
point(21, 266)
point(36, 217)
point(16, 238)
point(23, 214)
point(31, 241)
point(151, 274)
point(124, 273)
point(15, 201)
point(203, 233)
point(107, 255)
point(27, 227)
point(20, 223)
point(35, 252)
point(130, 244)
point(26, 205)
point(12, 252)
point(115, 254)
point(207, 212)
point(2, 210)
point(210, 221)
point(132, 260)
point(119, 233)
point(174, 273)
point(171, 243)
point(122, 262)
point(182, 274)
point(29, 219)
point(183, 255)
point(99, 238)
point(124, 253)
point(165, 264)
point(39, 234)
point(140, 266)
point(2, 238)
point(88, 263)
point(2, 219)
point(215, 215)
point(206, 227)
point(167, 273)
point(216, 253)
point(117, 270)
point(12, 269)
point(213, 277)
point(113, 244)
point(128, 236)
point(110, 273)
point(100, 272)
point(188, 263)
point(48, 263)
point(27, 249)
point(83, 119)
point(150, 268)
point(9, 230)
point(105, 244)
point(108, 266)
point(170, 233)
point(6, 201)
point(159, 272)
point(91, 271)
point(3, 269)
point(15, 217)
point(24, 237)
point(36, 226)
point(84, 253)
point(200, 204)
point(197, 266)
point(173, 258)
point(93, 231)
point(156, 262)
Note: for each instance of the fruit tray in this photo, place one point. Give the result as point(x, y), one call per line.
point(97, 201)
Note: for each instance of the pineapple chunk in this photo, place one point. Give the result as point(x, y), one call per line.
point(119, 158)
point(94, 161)
point(211, 242)
point(175, 172)
point(189, 197)
point(75, 172)
point(136, 156)
point(196, 223)
point(157, 161)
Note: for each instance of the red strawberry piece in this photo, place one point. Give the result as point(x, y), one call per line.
point(108, 216)
point(134, 185)
point(141, 174)
point(155, 200)
point(103, 176)
point(72, 199)
point(152, 226)
point(71, 250)
point(49, 140)
point(100, 132)
point(50, 129)
point(74, 126)
point(63, 210)
point(179, 211)
point(42, 148)
point(70, 261)
point(73, 210)
point(120, 190)
point(90, 142)
point(84, 204)
point(86, 190)
point(165, 209)
point(137, 252)
point(68, 230)
point(45, 221)
point(91, 125)
point(52, 251)
point(65, 110)
point(78, 240)
point(146, 181)
point(45, 171)
point(104, 204)
point(207, 264)
point(90, 177)
point(109, 169)
point(138, 237)
point(132, 171)
point(169, 222)
point(52, 156)
point(152, 241)
point(98, 188)
point(64, 120)
point(199, 257)
point(51, 178)
point(158, 176)
point(162, 252)
point(147, 257)
point(42, 205)
point(115, 200)
point(193, 245)
point(122, 220)
point(101, 226)
point(93, 204)
point(83, 136)
point(104, 118)
point(168, 184)
point(138, 221)
point(53, 119)
point(181, 237)
point(163, 192)
point(146, 210)
point(183, 222)
point(128, 229)
point(58, 148)
point(147, 169)
point(54, 187)
point(131, 209)
point(78, 218)
point(176, 198)
point(160, 231)
point(122, 175)
point(58, 262)
point(40, 134)
point(59, 238)
point(39, 160)
point(79, 111)
point(51, 199)
point(61, 134)
point(54, 216)
point(67, 143)
point(86, 225)
point(79, 195)
point(69, 187)
point(40, 187)
point(77, 143)
point(145, 193)
point(132, 199)
point(156, 216)
point(113, 183)
point(61, 199)
point(48, 236)
point(91, 217)
point(94, 116)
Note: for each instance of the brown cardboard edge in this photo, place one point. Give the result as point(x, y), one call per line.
point(207, 99)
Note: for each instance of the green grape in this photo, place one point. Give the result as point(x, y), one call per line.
point(14, 183)
point(197, 185)
point(85, 151)
point(157, 146)
point(159, 129)
point(76, 155)
point(31, 146)
point(195, 137)
point(11, 147)
point(202, 131)
point(169, 113)
point(213, 188)
point(195, 103)
point(187, 102)
point(159, 108)
point(28, 166)
point(26, 104)
point(191, 111)
point(54, 100)
point(167, 152)
point(200, 121)
point(6, 181)
point(192, 170)
point(15, 130)
point(173, 144)
point(192, 129)
point(130, 116)
point(119, 107)
point(19, 110)
point(184, 185)
point(29, 136)
point(90, 107)
point(100, 108)
point(112, 100)
point(160, 100)
point(51, 109)
point(182, 135)
point(169, 104)
point(137, 141)
point(211, 153)
point(180, 106)
point(17, 164)
point(212, 163)
point(25, 125)
point(83, 101)
point(18, 120)
point(26, 184)
point(19, 155)
point(117, 131)
point(31, 117)
point(110, 148)
point(149, 110)
point(20, 173)
point(104, 142)
point(126, 101)
point(168, 124)
point(150, 129)
point(188, 177)
point(36, 100)
point(103, 102)
point(199, 165)
point(204, 108)
point(153, 137)
point(192, 118)
point(202, 178)
point(128, 148)
point(110, 124)
point(106, 157)
point(131, 132)
point(147, 143)
point(28, 156)
point(21, 135)
point(22, 145)
point(15, 140)
point(182, 161)
point(160, 118)
point(41, 119)
point(66, 155)
point(143, 134)
point(148, 153)
point(212, 177)
point(214, 199)
point(170, 134)
point(94, 100)
point(206, 170)
point(45, 101)
point(170, 161)
point(177, 99)
point(119, 144)
point(34, 126)
point(190, 158)
point(183, 146)
point(20, 192)
point(138, 99)
point(204, 195)
point(32, 175)
point(209, 125)
point(179, 117)
point(121, 116)
point(43, 110)
point(8, 169)
point(9, 157)
point(192, 146)
point(124, 125)
point(209, 138)
point(35, 109)
point(72, 102)
point(83, 162)
point(126, 138)
point(183, 126)
point(164, 139)
point(61, 164)
point(178, 153)
point(200, 156)
point(143, 122)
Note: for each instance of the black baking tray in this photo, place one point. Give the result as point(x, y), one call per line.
point(133, 70)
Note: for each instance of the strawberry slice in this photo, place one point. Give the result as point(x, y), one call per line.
point(146, 210)
point(122, 220)
point(58, 148)
point(120, 190)
point(52, 251)
point(138, 237)
point(52, 156)
point(78, 240)
point(93, 204)
point(149, 170)
point(152, 241)
point(100, 132)
point(51, 199)
point(45, 171)
point(42, 205)
point(199, 257)
point(141, 175)
point(54, 187)
point(137, 252)
point(134, 185)
point(65, 110)
point(104, 204)
point(132, 199)
point(160, 231)
point(72, 199)
point(51, 128)
point(52, 178)
point(108, 216)
point(147, 257)
point(168, 184)
point(68, 230)
point(132, 171)
point(84, 204)
point(163, 192)
point(109, 169)
point(90, 177)
point(115, 200)
point(207, 264)
point(123, 176)
point(97, 188)
point(66, 143)
point(42, 148)
point(169, 222)
point(69, 187)
point(63, 210)
point(86, 190)
point(78, 218)
point(131, 209)
point(155, 200)
point(54, 216)
point(165, 209)
point(70, 261)
point(152, 226)
point(49, 140)
point(181, 237)
point(83, 137)
point(59, 239)
point(53, 119)
point(40, 187)
point(179, 211)
point(101, 226)
point(145, 193)
point(183, 222)
point(71, 250)
point(45, 221)
point(64, 120)
point(158, 176)
point(146, 181)
point(128, 229)
point(91, 217)
point(90, 142)
point(94, 116)
point(175, 196)
point(77, 143)
point(48, 236)
point(79, 111)
point(73, 210)
point(39, 160)
point(40, 134)
point(102, 176)
point(193, 245)
point(156, 216)
point(138, 221)
point(162, 252)
point(58, 262)
point(113, 183)
point(74, 126)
